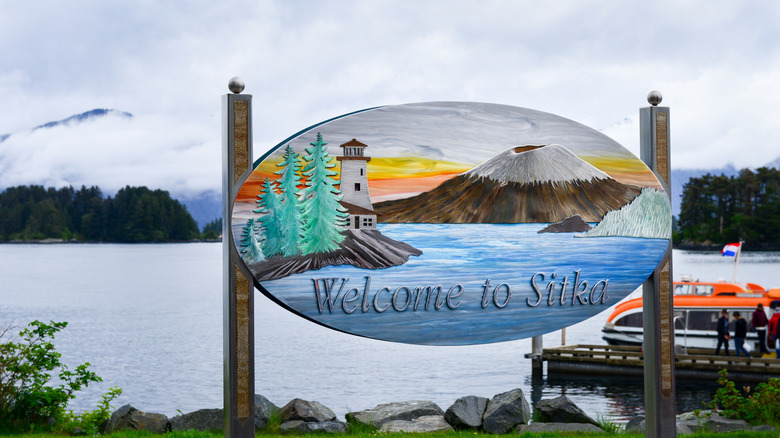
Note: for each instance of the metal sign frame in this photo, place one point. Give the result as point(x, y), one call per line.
point(238, 291)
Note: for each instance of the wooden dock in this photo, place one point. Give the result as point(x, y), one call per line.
point(694, 364)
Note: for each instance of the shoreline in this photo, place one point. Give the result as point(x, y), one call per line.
point(98, 242)
point(695, 247)
point(716, 247)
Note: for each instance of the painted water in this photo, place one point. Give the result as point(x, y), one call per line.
point(149, 319)
point(487, 283)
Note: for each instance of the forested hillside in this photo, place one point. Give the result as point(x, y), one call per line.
point(721, 209)
point(134, 214)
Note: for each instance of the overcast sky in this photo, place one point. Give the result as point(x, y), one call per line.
point(717, 64)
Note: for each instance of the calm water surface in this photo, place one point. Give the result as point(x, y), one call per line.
point(149, 320)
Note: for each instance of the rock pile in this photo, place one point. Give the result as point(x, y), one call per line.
point(701, 422)
point(505, 412)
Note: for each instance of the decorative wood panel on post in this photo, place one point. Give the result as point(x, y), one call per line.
point(238, 302)
point(657, 299)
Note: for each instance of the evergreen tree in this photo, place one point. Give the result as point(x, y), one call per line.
point(213, 229)
point(251, 251)
point(135, 214)
point(323, 216)
point(290, 213)
point(720, 209)
point(269, 206)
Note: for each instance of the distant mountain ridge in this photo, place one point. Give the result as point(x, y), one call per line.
point(77, 118)
point(87, 115)
point(506, 189)
point(681, 176)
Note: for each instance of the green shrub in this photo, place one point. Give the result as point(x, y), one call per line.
point(761, 406)
point(29, 399)
point(89, 422)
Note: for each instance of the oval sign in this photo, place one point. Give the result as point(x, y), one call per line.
point(450, 223)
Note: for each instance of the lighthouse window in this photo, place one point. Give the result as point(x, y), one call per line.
point(361, 172)
point(357, 187)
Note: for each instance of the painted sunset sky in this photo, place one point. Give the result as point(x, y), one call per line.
point(415, 147)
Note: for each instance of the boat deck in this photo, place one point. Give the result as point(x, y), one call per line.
point(695, 364)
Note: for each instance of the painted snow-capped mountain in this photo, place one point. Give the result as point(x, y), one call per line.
point(524, 184)
point(551, 164)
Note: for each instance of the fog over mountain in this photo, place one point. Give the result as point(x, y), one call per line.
point(112, 149)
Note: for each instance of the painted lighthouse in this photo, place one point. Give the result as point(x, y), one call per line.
point(354, 186)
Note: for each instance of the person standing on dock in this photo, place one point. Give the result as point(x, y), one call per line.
point(759, 323)
point(774, 331)
point(740, 332)
point(723, 332)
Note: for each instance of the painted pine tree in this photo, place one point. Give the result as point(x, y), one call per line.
point(269, 207)
point(290, 212)
point(250, 243)
point(323, 216)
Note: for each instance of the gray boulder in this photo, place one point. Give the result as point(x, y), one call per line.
point(203, 420)
point(763, 428)
point(505, 412)
point(299, 426)
point(263, 411)
point(561, 410)
point(130, 418)
point(466, 412)
point(636, 424)
point(306, 411)
point(557, 427)
point(383, 413)
point(424, 424)
point(688, 423)
point(709, 421)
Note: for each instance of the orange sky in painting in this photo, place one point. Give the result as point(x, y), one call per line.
point(387, 184)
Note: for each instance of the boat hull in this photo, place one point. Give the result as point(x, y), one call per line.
point(697, 308)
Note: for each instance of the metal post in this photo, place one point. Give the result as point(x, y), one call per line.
point(657, 298)
point(238, 302)
point(537, 348)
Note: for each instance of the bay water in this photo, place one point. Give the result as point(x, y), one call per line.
point(149, 320)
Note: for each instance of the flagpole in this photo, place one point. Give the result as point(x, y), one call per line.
point(736, 261)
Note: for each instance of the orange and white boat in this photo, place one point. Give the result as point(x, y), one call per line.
point(697, 307)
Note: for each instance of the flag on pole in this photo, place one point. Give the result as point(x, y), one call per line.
point(731, 249)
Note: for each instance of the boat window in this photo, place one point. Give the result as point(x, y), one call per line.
point(727, 294)
point(682, 289)
point(679, 320)
point(748, 316)
point(632, 320)
point(704, 289)
point(703, 319)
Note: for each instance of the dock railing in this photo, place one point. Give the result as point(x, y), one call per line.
point(629, 360)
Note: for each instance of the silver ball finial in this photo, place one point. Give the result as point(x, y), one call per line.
point(236, 85)
point(654, 97)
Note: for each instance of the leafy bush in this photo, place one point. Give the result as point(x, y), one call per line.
point(29, 399)
point(760, 406)
point(90, 422)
